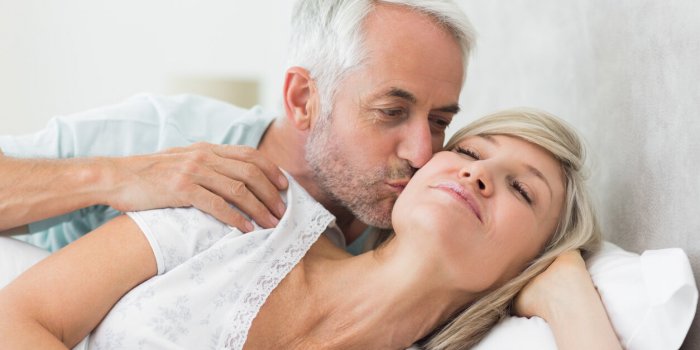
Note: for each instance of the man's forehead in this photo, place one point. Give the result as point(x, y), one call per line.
point(395, 91)
point(405, 94)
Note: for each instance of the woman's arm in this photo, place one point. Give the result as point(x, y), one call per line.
point(57, 302)
point(565, 297)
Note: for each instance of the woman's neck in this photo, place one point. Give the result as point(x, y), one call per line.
point(381, 299)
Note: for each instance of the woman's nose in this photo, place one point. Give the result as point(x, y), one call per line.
point(478, 177)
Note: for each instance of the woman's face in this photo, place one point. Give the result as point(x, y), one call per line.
point(484, 209)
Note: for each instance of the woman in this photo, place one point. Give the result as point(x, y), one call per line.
point(473, 227)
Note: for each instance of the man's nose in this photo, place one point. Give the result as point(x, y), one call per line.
point(417, 144)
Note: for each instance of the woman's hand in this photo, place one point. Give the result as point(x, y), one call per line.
point(565, 277)
point(565, 297)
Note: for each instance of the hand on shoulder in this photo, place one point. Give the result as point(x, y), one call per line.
point(206, 176)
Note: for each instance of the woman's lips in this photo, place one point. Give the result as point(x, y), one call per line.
point(460, 192)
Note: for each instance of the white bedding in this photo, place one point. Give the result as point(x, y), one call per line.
point(650, 298)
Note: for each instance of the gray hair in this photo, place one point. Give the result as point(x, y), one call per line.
point(327, 37)
point(577, 227)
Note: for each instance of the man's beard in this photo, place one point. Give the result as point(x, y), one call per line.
point(362, 191)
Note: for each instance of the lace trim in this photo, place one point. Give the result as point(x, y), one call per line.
point(310, 230)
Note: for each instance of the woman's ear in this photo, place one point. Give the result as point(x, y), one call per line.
point(300, 97)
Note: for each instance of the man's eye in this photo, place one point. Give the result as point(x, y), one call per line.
point(467, 152)
point(440, 123)
point(394, 112)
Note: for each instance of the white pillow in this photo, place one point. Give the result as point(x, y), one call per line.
point(15, 257)
point(650, 299)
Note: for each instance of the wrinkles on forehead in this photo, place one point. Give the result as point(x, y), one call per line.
point(407, 96)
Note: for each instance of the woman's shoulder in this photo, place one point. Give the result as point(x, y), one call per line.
point(297, 196)
point(303, 212)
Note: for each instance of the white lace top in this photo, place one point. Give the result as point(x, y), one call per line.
point(212, 279)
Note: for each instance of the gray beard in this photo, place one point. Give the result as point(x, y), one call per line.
point(345, 185)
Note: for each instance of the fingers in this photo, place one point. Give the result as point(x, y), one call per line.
point(254, 181)
point(217, 207)
point(261, 176)
point(238, 194)
point(240, 175)
point(242, 153)
point(554, 285)
point(245, 164)
point(254, 157)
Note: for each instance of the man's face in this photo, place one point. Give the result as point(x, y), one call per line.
point(389, 115)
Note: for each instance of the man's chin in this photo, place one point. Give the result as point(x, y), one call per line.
point(382, 224)
point(379, 216)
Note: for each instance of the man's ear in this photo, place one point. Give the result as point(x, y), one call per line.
point(300, 97)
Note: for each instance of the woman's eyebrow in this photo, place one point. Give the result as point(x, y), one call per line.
point(534, 171)
point(490, 139)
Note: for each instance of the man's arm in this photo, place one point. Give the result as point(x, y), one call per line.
point(565, 297)
point(15, 231)
point(57, 302)
point(205, 176)
point(31, 190)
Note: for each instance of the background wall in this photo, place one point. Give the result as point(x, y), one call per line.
point(60, 57)
point(624, 72)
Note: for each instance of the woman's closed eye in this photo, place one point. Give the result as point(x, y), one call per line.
point(521, 190)
point(467, 152)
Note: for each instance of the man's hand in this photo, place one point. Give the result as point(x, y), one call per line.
point(205, 176)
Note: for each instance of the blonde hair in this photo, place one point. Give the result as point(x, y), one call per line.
point(577, 227)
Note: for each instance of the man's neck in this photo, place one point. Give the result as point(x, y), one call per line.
point(284, 145)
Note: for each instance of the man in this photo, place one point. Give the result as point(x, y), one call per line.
point(371, 88)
